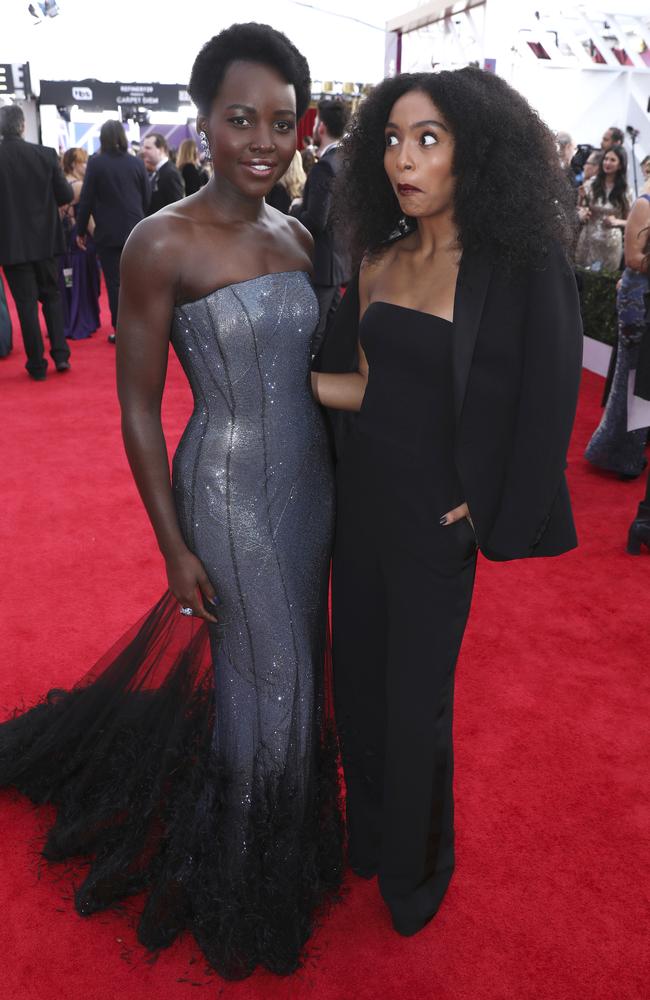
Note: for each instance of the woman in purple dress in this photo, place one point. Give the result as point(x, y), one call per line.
point(79, 275)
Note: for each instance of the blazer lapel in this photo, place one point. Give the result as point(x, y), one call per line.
point(471, 288)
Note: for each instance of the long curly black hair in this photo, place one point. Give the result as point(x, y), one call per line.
point(619, 195)
point(253, 42)
point(511, 197)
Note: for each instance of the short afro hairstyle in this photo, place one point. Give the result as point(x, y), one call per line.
point(259, 43)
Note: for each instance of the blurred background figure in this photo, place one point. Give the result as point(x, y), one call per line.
point(6, 338)
point(79, 270)
point(639, 533)
point(645, 169)
point(115, 192)
point(193, 174)
point(613, 136)
point(308, 153)
point(603, 210)
point(290, 186)
point(316, 212)
point(32, 187)
point(166, 181)
point(612, 445)
point(566, 151)
point(592, 165)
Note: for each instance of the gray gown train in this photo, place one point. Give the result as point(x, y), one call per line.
point(196, 763)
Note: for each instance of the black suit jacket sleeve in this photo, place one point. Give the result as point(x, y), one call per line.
point(534, 488)
point(63, 192)
point(170, 183)
point(145, 187)
point(84, 208)
point(315, 208)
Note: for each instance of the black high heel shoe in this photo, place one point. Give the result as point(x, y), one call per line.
point(638, 535)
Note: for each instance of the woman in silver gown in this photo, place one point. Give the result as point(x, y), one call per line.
point(195, 763)
point(603, 210)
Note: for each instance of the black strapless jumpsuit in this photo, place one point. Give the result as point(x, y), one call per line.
point(402, 588)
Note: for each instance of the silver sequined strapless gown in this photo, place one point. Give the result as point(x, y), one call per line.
point(254, 494)
point(196, 763)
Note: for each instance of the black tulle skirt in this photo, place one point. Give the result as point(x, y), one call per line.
point(127, 757)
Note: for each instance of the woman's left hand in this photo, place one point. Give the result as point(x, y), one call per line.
point(456, 514)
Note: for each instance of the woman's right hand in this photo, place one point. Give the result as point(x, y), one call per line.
point(190, 585)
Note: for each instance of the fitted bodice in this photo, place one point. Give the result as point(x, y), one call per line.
point(256, 431)
point(409, 397)
point(246, 347)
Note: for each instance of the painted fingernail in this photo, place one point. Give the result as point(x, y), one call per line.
point(443, 520)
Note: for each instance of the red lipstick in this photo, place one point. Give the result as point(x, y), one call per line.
point(408, 189)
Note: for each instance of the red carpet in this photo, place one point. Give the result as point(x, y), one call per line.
point(551, 736)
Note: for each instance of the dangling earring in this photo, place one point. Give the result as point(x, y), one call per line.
point(205, 145)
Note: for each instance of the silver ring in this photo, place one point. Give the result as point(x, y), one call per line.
point(186, 611)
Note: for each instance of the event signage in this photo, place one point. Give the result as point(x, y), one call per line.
point(14, 80)
point(95, 95)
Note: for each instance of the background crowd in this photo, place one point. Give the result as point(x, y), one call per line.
point(66, 219)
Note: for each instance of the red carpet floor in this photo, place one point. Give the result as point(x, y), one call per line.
point(550, 728)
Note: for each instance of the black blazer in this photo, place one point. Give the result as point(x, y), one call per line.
point(32, 186)
point(517, 358)
point(167, 187)
point(116, 193)
point(331, 261)
point(278, 197)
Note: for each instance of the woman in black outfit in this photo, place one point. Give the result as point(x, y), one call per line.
point(115, 192)
point(460, 345)
point(193, 174)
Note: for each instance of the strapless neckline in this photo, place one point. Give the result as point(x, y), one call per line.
point(416, 312)
point(238, 284)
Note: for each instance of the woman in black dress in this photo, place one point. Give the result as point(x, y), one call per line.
point(460, 345)
point(193, 174)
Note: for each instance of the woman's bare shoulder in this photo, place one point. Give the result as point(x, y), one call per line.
point(154, 251)
point(374, 265)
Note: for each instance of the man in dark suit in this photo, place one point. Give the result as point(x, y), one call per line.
point(331, 262)
point(32, 186)
point(116, 193)
point(166, 182)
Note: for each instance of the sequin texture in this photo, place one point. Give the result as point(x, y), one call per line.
point(254, 493)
